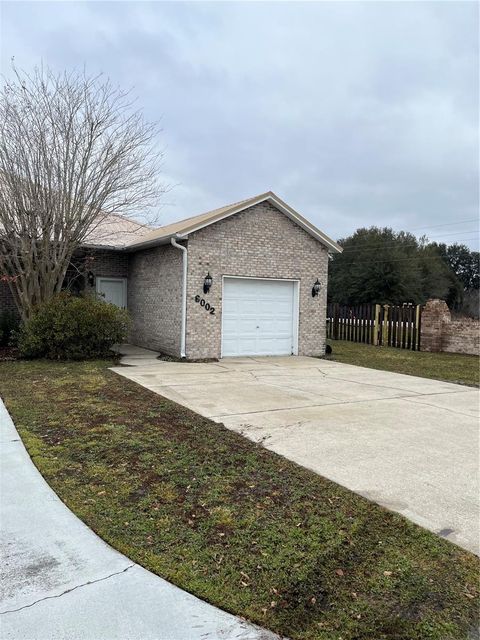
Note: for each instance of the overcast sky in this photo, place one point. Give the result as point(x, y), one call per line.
point(356, 114)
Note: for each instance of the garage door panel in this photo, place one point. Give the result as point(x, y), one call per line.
point(275, 309)
point(230, 307)
point(247, 325)
point(264, 307)
point(230, 327)
point(240, 326)
point(247, 307)
point(246, 346)
point(283, 327)
point(243, 346)
point(258, 317)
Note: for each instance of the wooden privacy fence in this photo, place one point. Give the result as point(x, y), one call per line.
point(382, 325)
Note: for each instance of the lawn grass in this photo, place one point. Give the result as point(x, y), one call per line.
point(231, 522)
point(451, 367)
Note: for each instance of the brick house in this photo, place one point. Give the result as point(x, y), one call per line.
point(246, 279)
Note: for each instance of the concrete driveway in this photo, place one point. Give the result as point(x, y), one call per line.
point(58, 580)
point(408, 443)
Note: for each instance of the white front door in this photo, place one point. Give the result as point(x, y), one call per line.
point(258, 317)
point(113, 290)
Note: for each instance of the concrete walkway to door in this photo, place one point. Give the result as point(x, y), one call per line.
point(58, 580)
point(408, 443)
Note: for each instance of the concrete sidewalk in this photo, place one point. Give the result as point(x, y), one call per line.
point(59, 581)
point(411, 444)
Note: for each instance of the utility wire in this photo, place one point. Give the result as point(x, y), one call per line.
point(446, 224)
point(401, 246)
point(455, 233)
point(388, 260)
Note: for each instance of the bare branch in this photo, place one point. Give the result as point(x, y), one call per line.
point(74, 151)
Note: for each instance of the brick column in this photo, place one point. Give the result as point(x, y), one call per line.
point(434, 315)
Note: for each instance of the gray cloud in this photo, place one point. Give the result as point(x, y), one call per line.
point(355, 113)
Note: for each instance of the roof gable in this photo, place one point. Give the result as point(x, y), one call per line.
point(183, 228)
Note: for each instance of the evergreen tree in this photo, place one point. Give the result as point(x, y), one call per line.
point(383, 266)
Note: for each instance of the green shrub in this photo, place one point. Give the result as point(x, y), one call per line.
point(73, 328)
point(9, 324)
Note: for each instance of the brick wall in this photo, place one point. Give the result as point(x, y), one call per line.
point(155, 297)
point(440, 333)
point(106, 263)
point(260, 242)
point(6, 298)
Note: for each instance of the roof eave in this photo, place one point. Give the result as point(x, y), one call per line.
point(330, 244)
point(155, 242)
point(109, 247)
point(285, 208)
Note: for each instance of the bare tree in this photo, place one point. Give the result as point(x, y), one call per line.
point(73, 151)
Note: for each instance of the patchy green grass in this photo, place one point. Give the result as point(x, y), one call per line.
point(451, 367)
point(230, 521)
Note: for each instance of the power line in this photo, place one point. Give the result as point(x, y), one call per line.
point(455, 233)
point(388, 261)
point(446, 224)
point(396, 246)
point(401, 246)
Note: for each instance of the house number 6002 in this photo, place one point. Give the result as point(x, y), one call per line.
point(206, 305)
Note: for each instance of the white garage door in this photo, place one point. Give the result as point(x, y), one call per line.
point(258, 317)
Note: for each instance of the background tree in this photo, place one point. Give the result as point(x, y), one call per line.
point(465, 263)
point(73, 151)
point(438, 278)
point(386, 267)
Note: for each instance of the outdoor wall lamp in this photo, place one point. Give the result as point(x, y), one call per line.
point(207, 283)
point(91, 278)
point(316, 288)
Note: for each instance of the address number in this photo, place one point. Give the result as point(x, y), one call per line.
point(206, 305)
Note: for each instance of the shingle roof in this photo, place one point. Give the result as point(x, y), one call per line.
point(189, 225)
point(182, 227)
point(121, 233)
point(115, 231)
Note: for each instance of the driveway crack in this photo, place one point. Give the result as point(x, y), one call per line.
point(325, 405)
point(59, 595)
point(411, 392)
point(428, 404)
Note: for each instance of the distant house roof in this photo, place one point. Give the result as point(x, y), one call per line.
point(181, 229)
point(112, 232)
point(115, 231)
point(118, 232)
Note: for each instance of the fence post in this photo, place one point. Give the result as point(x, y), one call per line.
point(385, 326)
point(417, 327)
point(376, 324)
point(335, 321)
